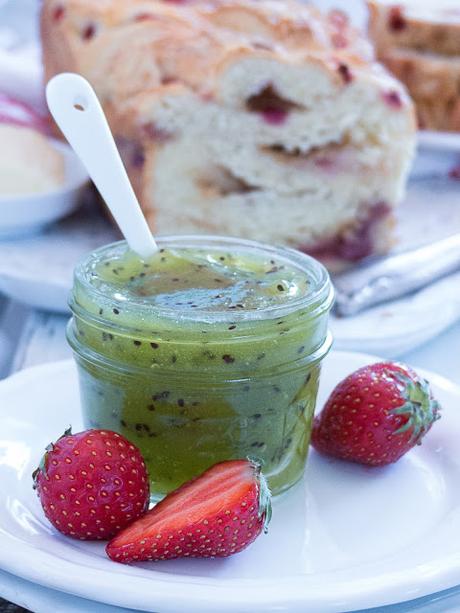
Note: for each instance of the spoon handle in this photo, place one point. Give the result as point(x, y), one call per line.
point(74, 105)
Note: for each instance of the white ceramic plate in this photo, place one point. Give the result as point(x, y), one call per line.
point(41, 599)
point(439, 141)
point(30, 213)
point(346, 538)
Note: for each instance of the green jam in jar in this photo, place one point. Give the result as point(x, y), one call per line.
point(208, 351)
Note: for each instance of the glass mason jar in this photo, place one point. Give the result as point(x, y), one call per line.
point(193, 389)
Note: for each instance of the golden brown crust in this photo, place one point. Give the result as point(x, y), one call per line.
point(184, 42)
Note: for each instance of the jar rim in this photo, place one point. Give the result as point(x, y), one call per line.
point(319, 297)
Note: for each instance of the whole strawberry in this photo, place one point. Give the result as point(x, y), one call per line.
point(92, 484)
point(218, 514)
point(376, 415)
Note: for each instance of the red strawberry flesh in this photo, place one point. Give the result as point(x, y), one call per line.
point(215, 515)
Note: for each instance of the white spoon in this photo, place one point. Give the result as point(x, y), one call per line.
point(74, 105)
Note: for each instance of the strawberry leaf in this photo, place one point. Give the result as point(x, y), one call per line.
point(420, 407)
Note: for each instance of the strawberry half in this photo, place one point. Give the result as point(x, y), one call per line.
point(215, 515)
point(376, 415)
point(92, 484)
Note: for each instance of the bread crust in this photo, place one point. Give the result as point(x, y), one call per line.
point(184, 42)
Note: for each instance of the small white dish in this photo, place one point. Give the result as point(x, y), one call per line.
point(28, 214)
point(345, 538)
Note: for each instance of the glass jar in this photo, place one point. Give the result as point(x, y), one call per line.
point(191, 389)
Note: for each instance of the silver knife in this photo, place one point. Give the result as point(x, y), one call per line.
point(395, 276)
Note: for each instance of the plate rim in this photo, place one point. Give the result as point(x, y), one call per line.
point(438, 140)
point(223, 590)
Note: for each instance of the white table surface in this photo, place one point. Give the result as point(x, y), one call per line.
point(29, 337)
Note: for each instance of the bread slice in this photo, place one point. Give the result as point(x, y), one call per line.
point(420, 44)
point(423, 25)
point(255, 118)
point(433, 82)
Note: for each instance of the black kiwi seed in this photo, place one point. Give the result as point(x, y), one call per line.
point(161, 395)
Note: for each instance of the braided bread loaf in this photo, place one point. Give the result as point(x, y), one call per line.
point(254, 118)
